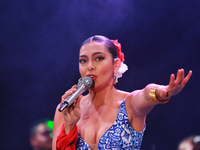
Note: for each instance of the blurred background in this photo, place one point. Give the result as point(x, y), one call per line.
point(39, 47)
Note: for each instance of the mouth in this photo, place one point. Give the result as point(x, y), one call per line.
point(92, 76)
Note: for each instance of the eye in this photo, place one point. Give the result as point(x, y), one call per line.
point(99, 58)
point(82, 61)
point(46, 133)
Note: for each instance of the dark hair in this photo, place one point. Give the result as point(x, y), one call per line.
point(105, 41)
point(34, 126)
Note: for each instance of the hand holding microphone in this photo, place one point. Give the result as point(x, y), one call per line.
point(83, 85)
point(70, 104)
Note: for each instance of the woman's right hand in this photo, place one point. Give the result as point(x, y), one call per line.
point(71, 113)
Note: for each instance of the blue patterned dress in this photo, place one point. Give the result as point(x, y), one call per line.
point(119, 136)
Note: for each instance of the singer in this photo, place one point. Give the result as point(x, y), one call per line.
point(107, 118)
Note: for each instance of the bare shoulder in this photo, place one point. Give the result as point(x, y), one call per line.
point(122, 94)
point(129, 96)
point(132, 95)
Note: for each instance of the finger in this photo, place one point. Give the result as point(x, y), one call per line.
point(187, 78)
point(178, 77)
point(164, 93)
point(73, 88)
point(182, 75)
point(69, 92)
point(172, 78)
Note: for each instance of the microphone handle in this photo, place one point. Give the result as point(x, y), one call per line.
point(68, 101)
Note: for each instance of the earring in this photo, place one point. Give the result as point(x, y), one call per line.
point(114, 78)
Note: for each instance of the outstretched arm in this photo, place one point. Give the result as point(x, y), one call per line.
point(142, 101)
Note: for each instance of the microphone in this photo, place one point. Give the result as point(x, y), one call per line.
point(83, 85)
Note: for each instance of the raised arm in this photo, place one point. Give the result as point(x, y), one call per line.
point(142, 101)
point(58, 122)
point(69, 116)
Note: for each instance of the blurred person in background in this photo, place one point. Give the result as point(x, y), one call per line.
point(190, 143)
point(41, 135)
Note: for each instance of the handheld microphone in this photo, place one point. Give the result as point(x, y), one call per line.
point(82, 86)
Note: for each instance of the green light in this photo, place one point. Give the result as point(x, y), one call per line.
point(50, 124)
point(51, 135)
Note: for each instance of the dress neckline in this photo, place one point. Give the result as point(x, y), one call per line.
point(122, 114)
point(107, 129)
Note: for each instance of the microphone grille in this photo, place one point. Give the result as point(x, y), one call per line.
point(87, 82)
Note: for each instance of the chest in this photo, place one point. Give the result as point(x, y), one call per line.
point(94, 123)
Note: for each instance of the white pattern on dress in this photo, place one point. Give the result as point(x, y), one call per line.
point(119, 136)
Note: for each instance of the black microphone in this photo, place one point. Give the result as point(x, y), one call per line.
point(83, 85)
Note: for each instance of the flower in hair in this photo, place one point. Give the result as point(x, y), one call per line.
point(119, 51)
point(123, 67)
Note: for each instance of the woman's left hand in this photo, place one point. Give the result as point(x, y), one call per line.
point(175, 85)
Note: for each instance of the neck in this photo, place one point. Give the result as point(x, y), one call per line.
point(102, 97)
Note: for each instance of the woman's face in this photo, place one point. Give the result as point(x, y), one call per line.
point(96, 62)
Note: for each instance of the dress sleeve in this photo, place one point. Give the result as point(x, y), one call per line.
point(67, 141)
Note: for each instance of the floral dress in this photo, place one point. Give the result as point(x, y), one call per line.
point(119, 136)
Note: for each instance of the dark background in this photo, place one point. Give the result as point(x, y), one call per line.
point(39, 46)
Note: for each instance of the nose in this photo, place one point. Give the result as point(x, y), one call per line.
point(90, 66)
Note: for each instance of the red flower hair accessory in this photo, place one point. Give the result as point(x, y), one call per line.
point(119, 51)
point(123, 67)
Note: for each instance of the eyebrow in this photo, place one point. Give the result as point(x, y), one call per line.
point(93, 54)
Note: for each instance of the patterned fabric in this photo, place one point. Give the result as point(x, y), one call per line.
point(119, 136)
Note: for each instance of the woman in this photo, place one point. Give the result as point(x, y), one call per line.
point(107, 118)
